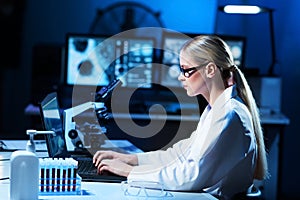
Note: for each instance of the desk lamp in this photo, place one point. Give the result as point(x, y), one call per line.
point(249, 9)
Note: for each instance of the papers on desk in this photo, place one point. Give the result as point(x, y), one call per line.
point(12, 145)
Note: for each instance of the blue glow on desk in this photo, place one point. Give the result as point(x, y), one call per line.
point(109, 191)
point(90, 190)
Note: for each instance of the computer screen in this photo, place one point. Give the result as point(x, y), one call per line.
point(96, 60)
point(237, 48)
point(51, 120)
point(172, 43)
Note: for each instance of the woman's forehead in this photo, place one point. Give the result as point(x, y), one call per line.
point(185, 59)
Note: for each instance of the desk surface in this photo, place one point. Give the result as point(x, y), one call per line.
point(109, 191)
point(90, 190)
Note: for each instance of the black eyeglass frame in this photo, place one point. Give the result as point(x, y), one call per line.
point(187, 73)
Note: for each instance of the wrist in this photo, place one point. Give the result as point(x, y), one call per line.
point(132, 159)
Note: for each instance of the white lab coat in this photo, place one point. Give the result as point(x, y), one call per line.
point(219, 157)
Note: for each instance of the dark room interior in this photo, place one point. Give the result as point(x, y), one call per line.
point(35, 35)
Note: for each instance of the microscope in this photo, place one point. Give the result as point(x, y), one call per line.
point(87, 135)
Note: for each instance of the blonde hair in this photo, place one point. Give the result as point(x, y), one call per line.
point(213, 49)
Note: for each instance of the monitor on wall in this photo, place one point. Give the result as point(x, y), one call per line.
point(171, 45)
point(237, 46)
point(96, 60)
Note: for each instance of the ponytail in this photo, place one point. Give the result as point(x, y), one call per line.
point(244, 92)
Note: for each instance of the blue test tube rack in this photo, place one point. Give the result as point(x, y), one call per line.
point(59, 177)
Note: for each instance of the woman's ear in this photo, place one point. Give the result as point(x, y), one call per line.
point(210, 70)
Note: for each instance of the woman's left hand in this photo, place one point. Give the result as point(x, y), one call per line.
point(115, 166)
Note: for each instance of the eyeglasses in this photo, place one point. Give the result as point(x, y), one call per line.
point(143, 188)
point(187, 73)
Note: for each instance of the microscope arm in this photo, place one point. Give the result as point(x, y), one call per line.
point(74, 111)
point(69, 114)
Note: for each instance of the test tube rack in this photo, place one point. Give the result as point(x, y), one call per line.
point(59, 177)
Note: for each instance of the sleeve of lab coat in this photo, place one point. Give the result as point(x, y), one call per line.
point(200, 168)
point(164, 157)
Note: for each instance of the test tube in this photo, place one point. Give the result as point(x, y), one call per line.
point(69, 174)
point(42, 175)
point(74, 167)
point(47, 169)
point(53, 174)
point(64, 175)
point(58, 172)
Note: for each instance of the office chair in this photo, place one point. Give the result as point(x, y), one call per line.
point(253, 193)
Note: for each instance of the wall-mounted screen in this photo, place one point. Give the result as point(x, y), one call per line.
point(97, 60)
point(237, 46)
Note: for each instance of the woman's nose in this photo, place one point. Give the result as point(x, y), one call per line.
point(181, 77)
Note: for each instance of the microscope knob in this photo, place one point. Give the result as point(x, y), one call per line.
point(79, 144)
point(73, 134)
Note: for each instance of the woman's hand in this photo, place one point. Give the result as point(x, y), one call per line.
point(114, 162)
point(129, 159)
point(115, 166)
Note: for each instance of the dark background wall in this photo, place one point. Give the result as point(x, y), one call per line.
point(47, 22)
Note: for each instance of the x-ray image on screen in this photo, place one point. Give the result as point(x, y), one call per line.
point(97, 60)
point(87, 61)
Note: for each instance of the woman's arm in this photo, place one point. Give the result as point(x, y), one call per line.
point(122, 164)
point(205, 167)
point(163, 157)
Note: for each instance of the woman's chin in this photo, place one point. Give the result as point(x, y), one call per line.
point(189, 93)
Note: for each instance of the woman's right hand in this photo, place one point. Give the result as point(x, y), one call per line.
point(130, 159)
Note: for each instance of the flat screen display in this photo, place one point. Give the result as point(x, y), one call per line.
point(237, 48)
point(95, 60)
point(52, 121)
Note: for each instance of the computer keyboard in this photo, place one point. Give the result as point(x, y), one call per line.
point(88, 172)
point(86, 166)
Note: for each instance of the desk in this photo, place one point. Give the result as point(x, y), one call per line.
point(277, 121)
point(109, 191)
point(268, 120)
point(91, 190)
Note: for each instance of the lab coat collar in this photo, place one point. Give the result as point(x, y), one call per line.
point(228, 93)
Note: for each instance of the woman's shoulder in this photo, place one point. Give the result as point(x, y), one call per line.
point(239, 109)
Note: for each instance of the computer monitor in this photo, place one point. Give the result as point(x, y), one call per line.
point(237, 46)
point(96, 60)
point(172, 43)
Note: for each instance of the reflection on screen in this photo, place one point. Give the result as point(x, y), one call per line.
point(96, 60)
point(52, 122)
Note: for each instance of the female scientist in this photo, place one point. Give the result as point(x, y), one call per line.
point(226, 152)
